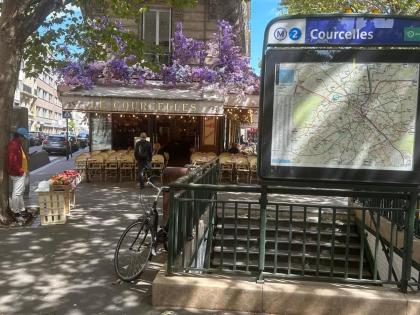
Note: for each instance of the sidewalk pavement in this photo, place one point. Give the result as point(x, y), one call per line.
point(68, 269)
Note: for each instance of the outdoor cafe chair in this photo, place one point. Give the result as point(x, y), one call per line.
point(242, 169)
point(157, 165)
point(226, 168)
point(111, 168)
point(252, 167)
point(95, 167)
point(127, 167)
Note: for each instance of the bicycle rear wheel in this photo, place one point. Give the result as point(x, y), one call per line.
point(133, 251)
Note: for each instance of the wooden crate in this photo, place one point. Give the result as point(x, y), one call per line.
point(52, 207)
point(69, 195)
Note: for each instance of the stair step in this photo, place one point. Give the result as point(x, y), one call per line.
point(282, 253)
point(285, 240)
point(271, 221)
point(284, 229)
point(295, 268)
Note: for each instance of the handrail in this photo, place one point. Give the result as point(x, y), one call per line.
point(198, 215)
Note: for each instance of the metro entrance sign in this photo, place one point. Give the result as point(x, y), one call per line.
point(345, 30)
point(335, 105)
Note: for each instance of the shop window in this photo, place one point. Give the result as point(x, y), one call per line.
point(157, 31)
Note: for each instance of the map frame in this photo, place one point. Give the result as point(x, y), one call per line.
point(276, 56)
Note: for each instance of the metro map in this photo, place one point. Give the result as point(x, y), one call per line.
point(345, 115)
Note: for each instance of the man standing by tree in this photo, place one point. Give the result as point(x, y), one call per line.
point(143, 155)
point(17, 164)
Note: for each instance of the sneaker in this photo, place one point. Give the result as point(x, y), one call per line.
point(26, 215)
point(19, 218)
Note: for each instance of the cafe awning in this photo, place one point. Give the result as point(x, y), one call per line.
point(154, 97)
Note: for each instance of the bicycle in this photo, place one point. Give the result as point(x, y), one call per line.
point(137, 245)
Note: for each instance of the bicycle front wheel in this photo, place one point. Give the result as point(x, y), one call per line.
point(133, 251)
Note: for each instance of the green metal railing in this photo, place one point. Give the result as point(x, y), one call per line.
point(246, 230)
point(398, 218)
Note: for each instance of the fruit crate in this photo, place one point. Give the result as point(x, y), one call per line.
point(69, 195)
point(52, 207)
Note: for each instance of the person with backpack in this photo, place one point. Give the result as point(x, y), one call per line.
point(143, 155)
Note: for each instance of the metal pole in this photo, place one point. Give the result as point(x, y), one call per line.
point(263, 225)
point(67, 139)
point(408, 242)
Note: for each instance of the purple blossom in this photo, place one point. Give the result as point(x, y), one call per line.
point(117, 69)
point(186, 50)
point(228, 72)
point(76, 74)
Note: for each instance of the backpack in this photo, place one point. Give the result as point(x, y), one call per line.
point(142, 151)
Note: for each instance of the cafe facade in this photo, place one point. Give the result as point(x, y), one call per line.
point(182, 119)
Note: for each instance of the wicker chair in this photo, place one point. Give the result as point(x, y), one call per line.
point(242, 169)
point(111, 168)
point(95, 167)
point(197, 158)
point(211, 156)
point(225, 154)
point(158, 165)
point(127, 167)
point(226, 168)
point(252, 168)
point(166, 155)
point(80, 164)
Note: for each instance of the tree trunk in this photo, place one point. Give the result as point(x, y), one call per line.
point(10, 58)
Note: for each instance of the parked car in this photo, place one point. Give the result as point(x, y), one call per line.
point(36, 138)
point(59, 144)
point(32, 139)
point(83, 140)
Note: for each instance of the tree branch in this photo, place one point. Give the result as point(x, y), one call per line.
point(32, 21)
point(25, 18)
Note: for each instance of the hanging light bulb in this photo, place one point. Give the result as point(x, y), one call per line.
point(181, 117)
point(170, 117)
point(145, 116)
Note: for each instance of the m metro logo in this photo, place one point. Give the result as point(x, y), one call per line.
point(288, 32)
point(280, 33)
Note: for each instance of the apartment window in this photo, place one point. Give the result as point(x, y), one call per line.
point(157, 28)
point(212, 9)
point(27, 88)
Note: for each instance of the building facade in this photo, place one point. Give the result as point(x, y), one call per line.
point(182, 119)
point(40, 97)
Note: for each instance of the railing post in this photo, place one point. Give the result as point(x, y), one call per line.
point(263, 225)
point(171, 233)
point(408, 242)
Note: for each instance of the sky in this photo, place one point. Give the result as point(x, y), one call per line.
point(262, 11)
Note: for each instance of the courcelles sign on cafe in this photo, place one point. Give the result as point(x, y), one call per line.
point(130, 105)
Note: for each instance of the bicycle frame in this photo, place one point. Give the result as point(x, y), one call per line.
point(154, 215)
